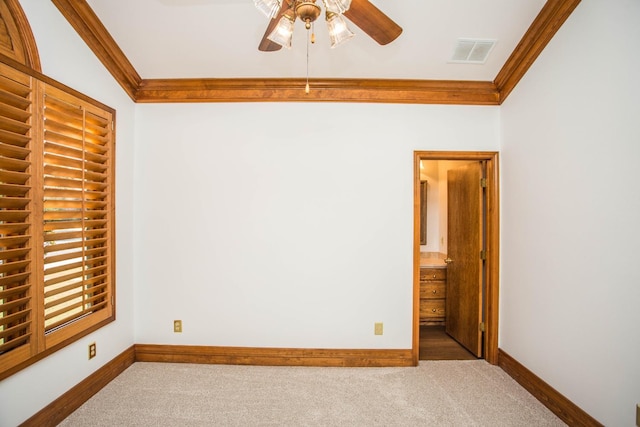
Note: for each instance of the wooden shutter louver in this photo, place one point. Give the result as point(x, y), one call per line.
point(15, 211)
point(77, 209)
point(57, 224)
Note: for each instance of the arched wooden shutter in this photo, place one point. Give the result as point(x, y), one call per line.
point(16, 38)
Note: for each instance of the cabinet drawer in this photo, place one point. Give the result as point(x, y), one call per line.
point(431, 308)
point(433, 274)
point(431, 290)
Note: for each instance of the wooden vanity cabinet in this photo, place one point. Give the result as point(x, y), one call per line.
point(433, 281)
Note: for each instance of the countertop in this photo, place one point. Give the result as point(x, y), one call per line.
point(431, 261)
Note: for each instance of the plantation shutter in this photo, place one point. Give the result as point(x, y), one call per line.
point(77, 212)
point(16, 280)
point(57, 225)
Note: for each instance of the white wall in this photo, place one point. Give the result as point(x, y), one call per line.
point(257, 232)
point(67, 59)
point(250, 229)
point(570, 207)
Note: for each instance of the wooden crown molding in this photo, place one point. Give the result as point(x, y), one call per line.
point(322, 90)
point(86, 23)
point(544, 27)
point(95, 35)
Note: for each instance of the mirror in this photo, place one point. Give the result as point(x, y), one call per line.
point(423, 212)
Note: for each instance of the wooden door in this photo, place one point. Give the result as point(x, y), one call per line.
point(465, 270)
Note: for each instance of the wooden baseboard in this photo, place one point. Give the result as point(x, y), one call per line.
point(273, 356)
point(565, 409)
point(63, 406)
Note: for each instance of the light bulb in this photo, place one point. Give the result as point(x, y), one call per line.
point(268, 7)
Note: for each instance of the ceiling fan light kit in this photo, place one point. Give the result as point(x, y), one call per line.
point(307, 11)
point(337, 6)
point(283, 33)
point(338, 30)
point(268, 7)
point(362, 13)
point(283, 15)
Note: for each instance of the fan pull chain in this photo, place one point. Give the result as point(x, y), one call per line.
point(312, 39)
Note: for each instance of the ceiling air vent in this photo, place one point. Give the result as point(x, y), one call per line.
point(472, 51)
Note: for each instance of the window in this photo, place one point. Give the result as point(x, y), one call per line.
point(57, 229)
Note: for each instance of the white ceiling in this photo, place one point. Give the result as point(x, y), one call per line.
point(219, 39)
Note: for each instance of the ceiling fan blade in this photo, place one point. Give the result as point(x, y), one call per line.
point(372, 21)
point(267, 45)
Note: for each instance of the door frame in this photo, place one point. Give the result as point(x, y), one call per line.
point(492, 243)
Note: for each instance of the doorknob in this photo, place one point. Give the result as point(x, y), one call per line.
point(448, 260)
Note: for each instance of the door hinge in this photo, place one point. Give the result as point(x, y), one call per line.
point(483, 182)
point(483, 255)
point(481, 326)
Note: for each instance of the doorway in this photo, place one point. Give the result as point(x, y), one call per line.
point(484, 332)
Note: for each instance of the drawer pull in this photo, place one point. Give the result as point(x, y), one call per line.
point(434, 276)
point(433, 309)
point(435, 292)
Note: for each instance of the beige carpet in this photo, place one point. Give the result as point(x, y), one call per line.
point(436, 393)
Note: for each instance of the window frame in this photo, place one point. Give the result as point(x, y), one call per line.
point(40, 342)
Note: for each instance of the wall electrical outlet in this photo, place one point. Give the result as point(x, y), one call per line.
point(377, 328)
point(177, 326)
point(92, 350)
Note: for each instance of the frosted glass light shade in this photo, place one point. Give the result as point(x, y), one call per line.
point(337, 6)
point(338, 30)
point(268, 7)
point(283, 33)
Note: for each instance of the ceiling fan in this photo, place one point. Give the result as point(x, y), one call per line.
point(362, 13)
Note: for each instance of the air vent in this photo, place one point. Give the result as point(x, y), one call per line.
point(472, 51)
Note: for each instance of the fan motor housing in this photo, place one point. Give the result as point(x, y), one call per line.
point(307, 11)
